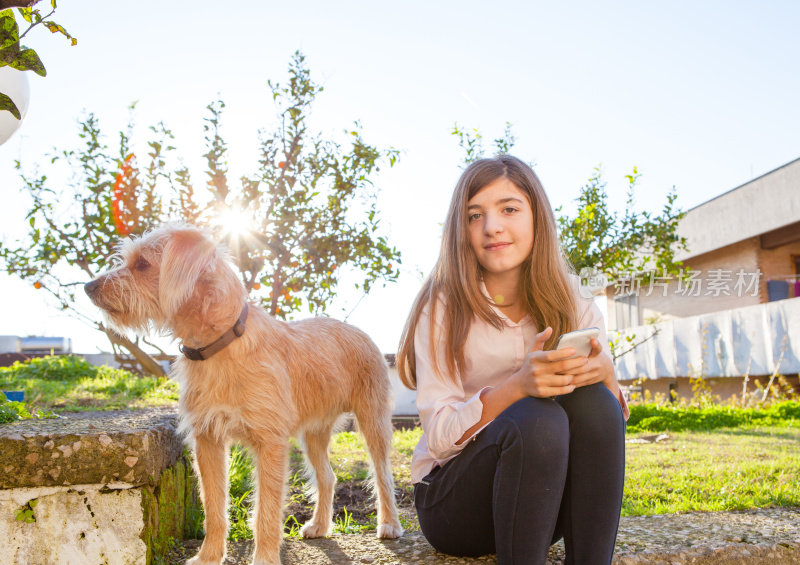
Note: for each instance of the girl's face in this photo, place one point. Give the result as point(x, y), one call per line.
point(500, 222)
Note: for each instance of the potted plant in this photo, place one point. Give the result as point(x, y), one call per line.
point(15, 59)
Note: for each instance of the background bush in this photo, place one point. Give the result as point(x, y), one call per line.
point(664, 417)
point(57, 367)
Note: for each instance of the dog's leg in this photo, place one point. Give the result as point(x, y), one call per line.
point(376, 426)
point(271, 470)
point(212, 468)
point(316, 447)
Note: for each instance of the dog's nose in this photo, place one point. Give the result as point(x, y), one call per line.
point(91, 287)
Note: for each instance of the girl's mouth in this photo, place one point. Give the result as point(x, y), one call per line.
point(496, 246)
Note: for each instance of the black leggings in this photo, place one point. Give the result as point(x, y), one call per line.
point(541, 470)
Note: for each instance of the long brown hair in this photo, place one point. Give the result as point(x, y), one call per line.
point(546, 291)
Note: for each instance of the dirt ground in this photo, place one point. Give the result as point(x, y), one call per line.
point(357, 498)
point(359, 501)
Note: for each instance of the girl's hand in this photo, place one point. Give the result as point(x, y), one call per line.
point(599, 368)
point(548, 373)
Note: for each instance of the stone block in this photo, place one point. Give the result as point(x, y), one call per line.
point(98, 488)
point(106, 448)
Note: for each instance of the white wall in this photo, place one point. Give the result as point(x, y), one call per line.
point(765, 337)
point(9, 344)
point(405, 400)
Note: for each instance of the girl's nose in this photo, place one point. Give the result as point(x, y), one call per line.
point(493, 224)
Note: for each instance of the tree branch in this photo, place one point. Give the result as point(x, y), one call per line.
point(149, 364)
point(8, 4)
point(36, 23)
point(161, 351)
point(635, 345)
point(281, 179)
point(80, 257)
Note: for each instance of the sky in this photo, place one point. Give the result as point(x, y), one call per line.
point(700, 96)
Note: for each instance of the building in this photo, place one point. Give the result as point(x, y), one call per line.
point(15, 348)
point(743, 263)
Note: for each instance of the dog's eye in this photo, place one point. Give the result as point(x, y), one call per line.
point(141, 264)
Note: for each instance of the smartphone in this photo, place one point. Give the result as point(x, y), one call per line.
point(579, 339)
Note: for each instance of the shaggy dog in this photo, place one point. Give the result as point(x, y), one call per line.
point(247, 377)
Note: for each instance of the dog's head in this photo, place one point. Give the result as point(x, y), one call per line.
point(171, 274)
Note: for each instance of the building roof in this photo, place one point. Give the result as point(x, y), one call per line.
point(762, 205)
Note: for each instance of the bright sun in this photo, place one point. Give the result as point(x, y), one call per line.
point(234, 221)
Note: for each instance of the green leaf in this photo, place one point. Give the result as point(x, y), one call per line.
point(28, 60)
point(26, 14)
point(9, 32)
point(7, 104)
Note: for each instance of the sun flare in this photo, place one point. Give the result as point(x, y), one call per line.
point(235, 222)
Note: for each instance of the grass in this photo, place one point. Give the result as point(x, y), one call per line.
point(70, 384)
point(13, 411)
point(354, 507)
point(348, 455)
point(723, 469)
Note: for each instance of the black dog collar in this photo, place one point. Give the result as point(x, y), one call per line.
point(204, 353)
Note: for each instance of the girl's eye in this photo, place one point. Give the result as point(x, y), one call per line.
point(509, 210)
point(473, 217)
point(141, 264)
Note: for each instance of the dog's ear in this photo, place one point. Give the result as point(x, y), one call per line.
point(187, 254)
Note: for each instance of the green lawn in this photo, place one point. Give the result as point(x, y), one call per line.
point(723, 469)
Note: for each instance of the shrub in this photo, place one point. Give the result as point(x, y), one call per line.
point(659, 417)
point(9, 411)
point(57, 367)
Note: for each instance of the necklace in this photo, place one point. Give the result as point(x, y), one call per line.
point(500, 301)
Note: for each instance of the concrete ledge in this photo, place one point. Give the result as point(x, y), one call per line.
point(100, 488)
point(89, 448)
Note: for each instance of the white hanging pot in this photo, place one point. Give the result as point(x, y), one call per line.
point(14, 84)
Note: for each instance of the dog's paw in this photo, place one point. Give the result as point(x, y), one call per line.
point(315, 530)
point(259, 561)
point(389, 531)
point(197, 561)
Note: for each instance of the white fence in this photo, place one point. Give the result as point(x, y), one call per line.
point(754, 340)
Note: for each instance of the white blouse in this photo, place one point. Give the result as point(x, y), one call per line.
point(448, 409)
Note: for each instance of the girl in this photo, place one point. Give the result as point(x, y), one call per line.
point(522, 445)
